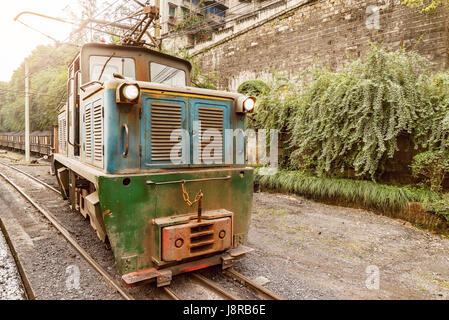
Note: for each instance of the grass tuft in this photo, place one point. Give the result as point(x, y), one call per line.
point(367, 194)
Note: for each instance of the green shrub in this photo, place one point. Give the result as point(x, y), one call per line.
point(205, 85)
point(435, 131)
point(432, 167)
point(275, 104)
point(439, 206)
point(351, 120)
point(253, 88)
point(199, 78)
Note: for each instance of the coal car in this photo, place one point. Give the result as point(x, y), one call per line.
point(41, 142)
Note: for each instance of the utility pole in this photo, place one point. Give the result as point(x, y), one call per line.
point(157, 30)
point(27, 113)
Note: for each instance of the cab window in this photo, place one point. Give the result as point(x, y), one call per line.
point(167, 75)
point(123, 66)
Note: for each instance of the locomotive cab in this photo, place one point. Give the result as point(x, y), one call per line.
point(159, 167)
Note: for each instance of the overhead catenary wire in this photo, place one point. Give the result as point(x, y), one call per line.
point(81, 27)
point(104, 24)
point(107, 8)
point(35, 93)
point(99, 25)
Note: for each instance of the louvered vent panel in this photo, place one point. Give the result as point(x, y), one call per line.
point(64, 121)
point(211, 120)
point(62, 132)
point(98, 135)
point(164, 120)
point(88, 126)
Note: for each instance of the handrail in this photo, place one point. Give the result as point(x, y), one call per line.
point(149, 182)
point(74, 144)
point(125, 154)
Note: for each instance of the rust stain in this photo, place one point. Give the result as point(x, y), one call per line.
point(203, 266)
point(107, 212)
point(194, 239)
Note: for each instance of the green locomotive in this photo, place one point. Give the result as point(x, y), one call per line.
point(159, 167)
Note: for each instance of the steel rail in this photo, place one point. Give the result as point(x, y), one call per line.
point(221, 291)
point(240, 277)
point(9, 158)
point(171, 293)
point(167, 290)
point(32, 177)
point(28, 290)
point(65, 233)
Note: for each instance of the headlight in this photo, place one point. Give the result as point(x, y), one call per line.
point(131, 91)
point(245, 104)
point(128, 93)
point(249, 104)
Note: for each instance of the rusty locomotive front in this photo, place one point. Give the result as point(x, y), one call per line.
point(159, 167)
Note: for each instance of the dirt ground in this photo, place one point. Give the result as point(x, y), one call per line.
point(314, 251)
point(308, 250)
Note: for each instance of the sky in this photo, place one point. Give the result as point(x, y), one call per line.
point(18, 41)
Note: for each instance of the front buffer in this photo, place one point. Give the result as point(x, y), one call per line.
point(155, 234)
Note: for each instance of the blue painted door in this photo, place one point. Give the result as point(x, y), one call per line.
point(209, 121)
point(184, 132)
point(164, 132)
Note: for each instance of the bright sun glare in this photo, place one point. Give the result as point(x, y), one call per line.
point(19, 41)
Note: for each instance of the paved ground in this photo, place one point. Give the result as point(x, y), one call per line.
point(309, 250)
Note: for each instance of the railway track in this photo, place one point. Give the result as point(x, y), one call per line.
point(33, 178)
point(24, 284)
point(169, 293)
point(262, 292)
point(65, 233)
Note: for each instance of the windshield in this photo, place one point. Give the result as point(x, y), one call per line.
point(167, 75)
point(123, 66)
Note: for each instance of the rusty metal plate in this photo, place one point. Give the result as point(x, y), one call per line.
point(194, 239)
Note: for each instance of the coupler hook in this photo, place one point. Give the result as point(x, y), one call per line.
point(198, 198)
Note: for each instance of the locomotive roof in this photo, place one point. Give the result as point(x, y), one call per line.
point(135, 49)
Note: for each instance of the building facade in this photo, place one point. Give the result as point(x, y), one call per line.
point(259, 37)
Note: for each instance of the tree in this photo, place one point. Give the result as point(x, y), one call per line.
point(48, 78)
point(84, 10)
point(427, 5)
